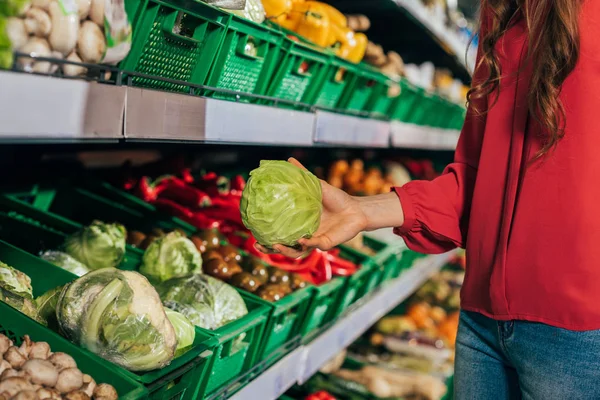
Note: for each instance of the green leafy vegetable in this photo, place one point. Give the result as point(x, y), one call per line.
point(11, 8)
point(119, 316)
point(171, 256)
point(66, 262)
point(99, 245)
point(16, 291)
point(207, 302)
point(46, 305)
point(281, 203)
point(184, 331)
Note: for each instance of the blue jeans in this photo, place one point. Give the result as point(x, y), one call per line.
point(524, 360)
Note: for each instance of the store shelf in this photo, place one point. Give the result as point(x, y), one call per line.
point(303, 362)
point(38, 107)
point(447, 38)
point(421, 137)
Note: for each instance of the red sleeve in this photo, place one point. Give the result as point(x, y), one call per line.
point(436, 213)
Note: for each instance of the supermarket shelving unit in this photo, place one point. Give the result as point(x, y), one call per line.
point(74, 111)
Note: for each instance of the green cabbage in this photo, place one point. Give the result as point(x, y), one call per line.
point(207, 302)
point(171, 256)
point(98, 246)
point(281, 203)
point(46, 305)
point(11, 8)
point(119, 316)
point(16, 291)
point(66, 262)
point(184, 331)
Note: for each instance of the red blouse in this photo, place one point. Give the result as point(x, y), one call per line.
point(532, 234)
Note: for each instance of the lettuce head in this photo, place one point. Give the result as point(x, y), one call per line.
point(98, 246)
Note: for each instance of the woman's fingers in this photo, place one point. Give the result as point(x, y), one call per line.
point(288, 251)
point(297, 163)
point(321, 242)
point(263, 249)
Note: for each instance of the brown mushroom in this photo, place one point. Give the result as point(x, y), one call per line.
point(62, 361)
point(42, 372)
point(76, 395)
point(69, 379)
point(5, 343)
point(14, 357)
point(89, 385)
point(107, 391)
point(4, 365)
point(39, 350)
point(14, 385)
point(26, 346)
point(26, 395)
point(48, 394)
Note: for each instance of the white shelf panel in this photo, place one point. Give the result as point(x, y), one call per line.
point(422, 137)
point(39, 107)
point(302, 363)
point(347, 130)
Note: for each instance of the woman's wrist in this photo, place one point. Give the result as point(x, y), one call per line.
point(381, 211)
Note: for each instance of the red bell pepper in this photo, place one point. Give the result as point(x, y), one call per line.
point(320, 395)
point(187, 176)
point(226, 201)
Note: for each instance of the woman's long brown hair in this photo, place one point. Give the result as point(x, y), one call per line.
point(553, 27)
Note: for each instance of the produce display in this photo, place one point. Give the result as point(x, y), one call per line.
point(16, 290)
point(352, 177)
point(281, 203)
point(33, 371)
point(86, 31)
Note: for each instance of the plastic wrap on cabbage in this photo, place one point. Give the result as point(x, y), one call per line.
point(184, 331)
point(16, 291)
point(119, 316)
point(98, 246)
point(207, 302)
point(254, 11)
point(171, 256)
point(66, 262)
point(46, 306)
point(281, 203)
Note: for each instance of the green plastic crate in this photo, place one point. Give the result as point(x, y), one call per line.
point(299, 73)
point(386, 257)
point(340, 76)
point(362, 95)
point(171, 382)
point(322, 307)
point(15, 325)
point(286, 318)
point(236, 69)
point(383, 103)
point(401, 109)
point(174, 39)
point(356, 286)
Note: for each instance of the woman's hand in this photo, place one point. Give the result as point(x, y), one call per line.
point(344, 217)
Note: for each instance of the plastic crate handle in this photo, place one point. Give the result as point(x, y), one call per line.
point(175, 20)
point(246, 40)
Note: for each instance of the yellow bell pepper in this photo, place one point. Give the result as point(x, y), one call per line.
point(314, 23)
point(276, 8)
point(358, 52)
point(352, 45)
point(335, 16)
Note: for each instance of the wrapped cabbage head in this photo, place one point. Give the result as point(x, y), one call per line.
point(207, 302)
point(184, 331)
point(16, 291)
point(281, 203)
point(98, 246)
point(170, 256)
point(119, 316)
point(66, 262)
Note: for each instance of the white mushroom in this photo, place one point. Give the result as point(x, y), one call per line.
point(5, 343)
point(4, 365)
point(69, 379)
point(26, 346)
point(74, 70)
point(14, 357)
point(17, 33)
point(43, 4)
point(26, 395)
point(91, 44)
point(76, 395)
point(97, 12)
point(83, 8)
point(40, 350)
point(48, 394)
point(38, 47)
point(89, 385)
point(37, 22)
point(11, 373)
point(105, 390)
point(12, 386)
point(62, 361)
point(63, 35)
point(41, 372)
